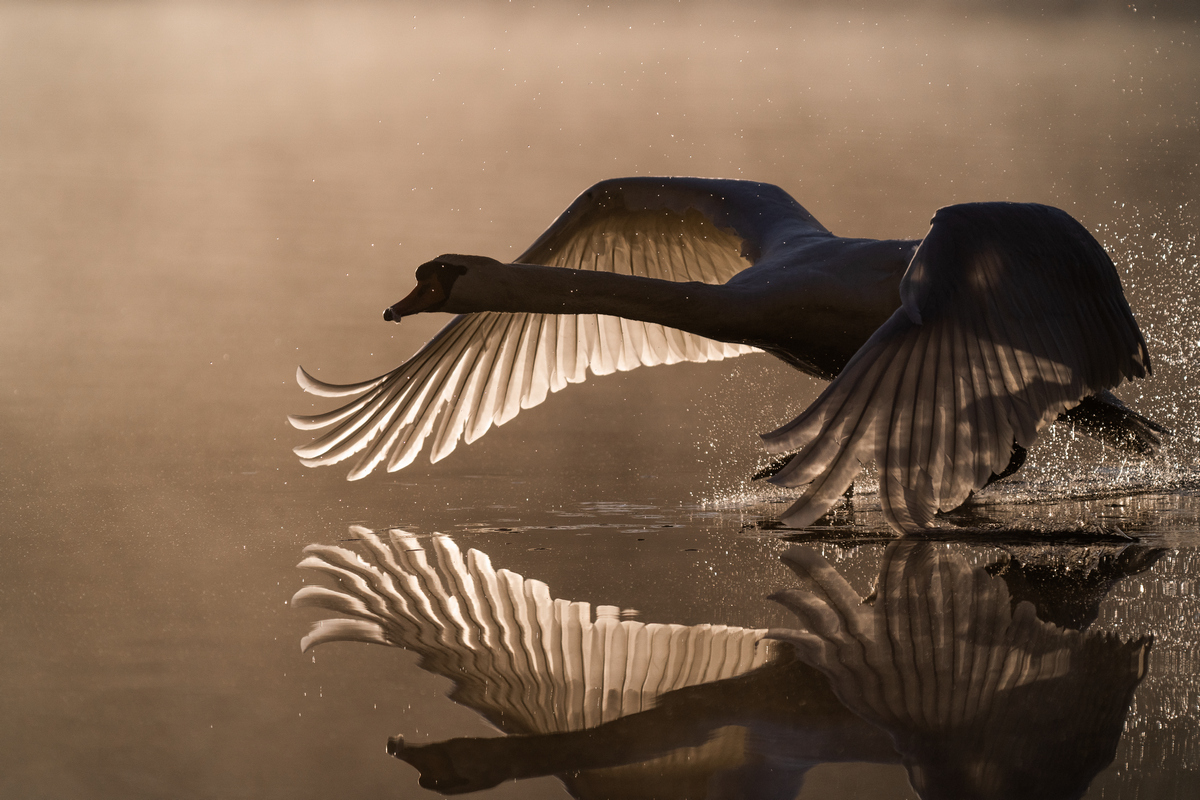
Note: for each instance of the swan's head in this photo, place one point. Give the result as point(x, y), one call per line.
point(435, 288)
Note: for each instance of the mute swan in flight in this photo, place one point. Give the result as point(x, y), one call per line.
point(947, 355)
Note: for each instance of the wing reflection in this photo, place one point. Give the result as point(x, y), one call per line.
point(981, 697)
point(944, 669)
point(613, 707)
point(529, 663)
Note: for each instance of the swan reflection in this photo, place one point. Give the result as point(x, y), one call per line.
point(942, 669)
point(980, 696)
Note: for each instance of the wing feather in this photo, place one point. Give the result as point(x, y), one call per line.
point(1010, 315)
point(490, 404)
point(364, 425)
point(468, 392)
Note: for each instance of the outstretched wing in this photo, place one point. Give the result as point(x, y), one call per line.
point(481, 369)
point(1011, 313)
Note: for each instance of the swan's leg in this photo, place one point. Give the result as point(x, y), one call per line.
point(1105, 418)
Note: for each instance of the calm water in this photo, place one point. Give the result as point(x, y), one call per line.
point(195, 198)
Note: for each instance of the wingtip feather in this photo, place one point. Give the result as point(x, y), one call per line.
point(321, 389)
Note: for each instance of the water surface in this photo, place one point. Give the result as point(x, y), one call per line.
point(197, 197)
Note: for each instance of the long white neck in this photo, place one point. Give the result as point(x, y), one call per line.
point(813, 309)
point(700, 308)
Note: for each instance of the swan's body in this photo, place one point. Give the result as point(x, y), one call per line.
point(946, 352)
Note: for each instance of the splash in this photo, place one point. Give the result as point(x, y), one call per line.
point(1157, 253)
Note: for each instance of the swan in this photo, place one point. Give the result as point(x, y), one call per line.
point(946, 355)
